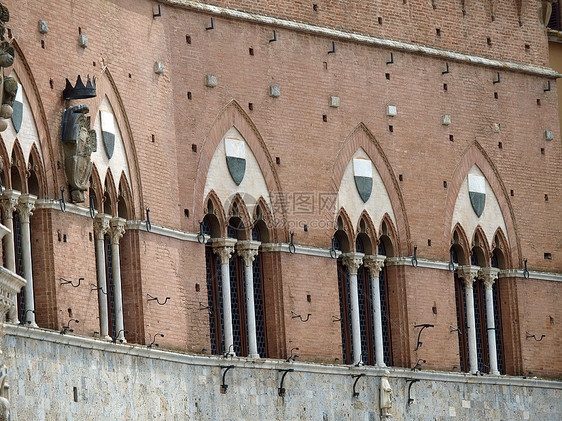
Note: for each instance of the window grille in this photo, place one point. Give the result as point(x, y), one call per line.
point(110, 287)
point(345, 311)
point(461, 323)
point(259, 304)
point(385, 317)
point(555, 22)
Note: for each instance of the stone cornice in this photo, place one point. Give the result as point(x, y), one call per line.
point(406, 47)
point(267, 364)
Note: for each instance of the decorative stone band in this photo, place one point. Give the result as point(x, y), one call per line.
point(488, 276)
point(374, 263)
point(224, 247)
point(267, 364)
point(363, 39)
point(353, 261)
point(284, 247)
point(248, 250)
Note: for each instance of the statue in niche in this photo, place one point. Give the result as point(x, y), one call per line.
point(385, 399)
point(79, 141)
point(8, 85)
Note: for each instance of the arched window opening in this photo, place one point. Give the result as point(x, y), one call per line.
point(107, 208)
point(33, 184)
point(16, 179)
point(122, 210)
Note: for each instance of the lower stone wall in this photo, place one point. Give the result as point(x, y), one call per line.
point(56, 377)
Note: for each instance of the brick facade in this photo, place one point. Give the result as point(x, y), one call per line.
point(172, 123)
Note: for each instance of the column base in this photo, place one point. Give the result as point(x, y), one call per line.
point(107, 338)
point(495, 373)
point(254, 356)
point(32, 324)
point(381, 365)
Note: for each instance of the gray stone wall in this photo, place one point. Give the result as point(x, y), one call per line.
point(56, 377)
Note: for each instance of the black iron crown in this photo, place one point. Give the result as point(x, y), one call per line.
point(79, 91)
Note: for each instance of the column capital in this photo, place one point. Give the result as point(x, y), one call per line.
point(468, 274)
point(248, 250)
point(8, 202)
point(489, 275)
point(374, 263)
point(117, 229)
point(26, 206)
point(224, 247)
point(353, 261)
point(101, 226)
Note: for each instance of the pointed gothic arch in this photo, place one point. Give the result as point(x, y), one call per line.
point(499, 248)
point(361, 137)
point(476, 155)
point(18, 176)
point(344, 227)
point(238, 211)
point(96, 188)
point(36, 173)
point(125, 205)
point(232, 115)
point(106, 87)
point(263, 220)
point(479, 244)
point(51, 178)
point(388, 235)
point(214, 211)
point(459, 242)
point(366, 230)
point(109, 193)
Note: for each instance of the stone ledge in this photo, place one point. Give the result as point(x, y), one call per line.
point(267, 364)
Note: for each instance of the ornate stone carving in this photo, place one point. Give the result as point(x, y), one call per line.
point(488, 276)
point(79, 141)
point(353, 261)
point(224, 247)
point(117, 229)
point(374, 263)
point(25, 207)
point(101, 226)
point(385, 399)
point(248, 250)
point(8, 205)
point(468, 274)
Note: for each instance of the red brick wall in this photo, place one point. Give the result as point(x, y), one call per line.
point(170, 176)
point(417, 21)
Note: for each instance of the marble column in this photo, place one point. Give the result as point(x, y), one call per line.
point(224, 247)
point(248, 250)
point(489, 275)
point(375, 264)
point(353, 261)
point(101, 227)
point(25, 207)
point(468, 274)
point(117, 229)
point(8, 203)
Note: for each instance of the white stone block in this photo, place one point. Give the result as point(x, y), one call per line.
point(446, 119)
point(548, 135)
point(82, 40)
point(391, 110)
point(43, 27)
point(334, 101)
point(274, 91)
point(210, 81)
point(465, 404)
point(452, 411)
point(497, 128)
point(158, 67)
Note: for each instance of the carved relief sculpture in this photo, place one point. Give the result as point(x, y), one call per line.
point(386, 399)
point(79, 141)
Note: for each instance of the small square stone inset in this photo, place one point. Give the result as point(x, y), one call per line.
point(274, 91)
point(210, 81)
point(334, 101)
point(446, 119)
